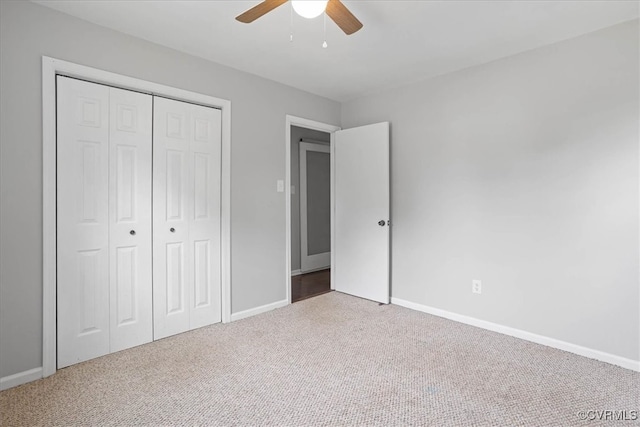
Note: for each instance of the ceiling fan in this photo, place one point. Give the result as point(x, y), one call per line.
point(337, 11)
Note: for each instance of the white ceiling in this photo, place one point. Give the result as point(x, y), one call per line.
point(401, 42)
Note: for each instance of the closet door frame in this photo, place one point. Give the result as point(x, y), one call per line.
point(52, 67)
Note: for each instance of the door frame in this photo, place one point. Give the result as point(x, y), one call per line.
point(52, 67)
point(314, 125)
point(304, 235)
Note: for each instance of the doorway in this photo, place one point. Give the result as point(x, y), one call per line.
point(360, 208)
point(309, 207)
point(310, 213)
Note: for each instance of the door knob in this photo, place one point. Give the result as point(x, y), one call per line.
point(132, 232)
point(173, 230)
point(381, 223)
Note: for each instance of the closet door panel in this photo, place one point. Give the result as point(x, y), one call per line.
point(83, 223)
point(187, 144)
point(130, 229)
point(171, 188)
point(204, 236)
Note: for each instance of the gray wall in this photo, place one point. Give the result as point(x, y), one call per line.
point(296, 134)
point(259, 108)
point(522, 173)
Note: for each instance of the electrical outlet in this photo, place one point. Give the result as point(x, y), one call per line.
point(476, 286)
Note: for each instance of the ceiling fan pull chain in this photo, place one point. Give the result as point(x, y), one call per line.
point(291, 22)
point(324, 44)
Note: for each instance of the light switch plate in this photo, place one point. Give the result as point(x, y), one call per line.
point(280, 186)
point(476, 286)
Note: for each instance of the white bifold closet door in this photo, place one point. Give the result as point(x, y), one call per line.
point(186, 212)
point(104, 288)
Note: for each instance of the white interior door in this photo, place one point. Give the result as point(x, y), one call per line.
point(361, 204)
point(186, 199)
point(83, 220)
point(104, 220)
point(204, 232)
point(130, 235)
point(315, 206)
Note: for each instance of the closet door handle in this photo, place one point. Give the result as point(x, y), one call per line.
point(173, 230)
point(132, 232)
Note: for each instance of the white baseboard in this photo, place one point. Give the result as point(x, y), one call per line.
point(20, 378)
point(299, 272)
point(633, 365)
point(313, 270)
point(258, 310)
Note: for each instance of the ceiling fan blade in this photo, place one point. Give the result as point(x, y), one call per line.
point(261, 9)
point(343, 17)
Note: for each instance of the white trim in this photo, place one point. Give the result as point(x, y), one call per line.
point(48, 217)
point(308, 124)
point(225, 220)
point(258, 310)
point(51, 67)
point(332, 147)
point(295, 273)
point(309, 263)
point(633, 365)
point(20, 378)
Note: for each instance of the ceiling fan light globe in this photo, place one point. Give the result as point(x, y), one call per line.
point(309, 8)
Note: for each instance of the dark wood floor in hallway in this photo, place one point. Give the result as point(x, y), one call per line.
point(310, 285)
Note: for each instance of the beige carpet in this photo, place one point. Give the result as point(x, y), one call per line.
point(329, 360)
